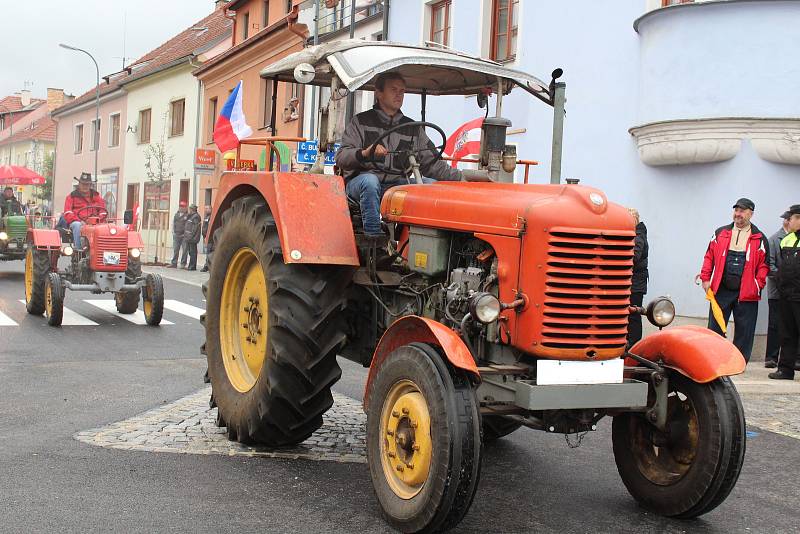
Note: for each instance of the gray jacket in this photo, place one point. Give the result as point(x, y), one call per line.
point(774, 263)
point(179, 223)
point(365, 128)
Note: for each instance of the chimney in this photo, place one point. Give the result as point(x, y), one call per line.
point(25, 97)
point(219, 4)
point(55, 98)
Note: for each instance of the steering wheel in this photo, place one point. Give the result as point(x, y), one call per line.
point(91, 211)
point(381, 166)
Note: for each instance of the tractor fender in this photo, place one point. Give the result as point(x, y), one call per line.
point(135, 240)
point(411, 329)
point(44, 238)
point(310, 212)
point(693, 351)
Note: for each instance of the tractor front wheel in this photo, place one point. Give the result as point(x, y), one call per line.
point(128, 301)
point(153, 299)
point(54, 299)
point(690, 468)
point(37, 265)
point(423, 440)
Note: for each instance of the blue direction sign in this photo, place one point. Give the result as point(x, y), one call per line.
point(307, 153)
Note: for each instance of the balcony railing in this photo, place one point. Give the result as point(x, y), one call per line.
point(333, 19)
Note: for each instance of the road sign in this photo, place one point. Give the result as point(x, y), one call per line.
point(204, 160)
point(307, 153)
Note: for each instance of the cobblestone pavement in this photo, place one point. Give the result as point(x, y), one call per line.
point(775, 413)
point(188, 426)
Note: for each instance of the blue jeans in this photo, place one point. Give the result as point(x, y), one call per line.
point(75, 227)
point(368, 190)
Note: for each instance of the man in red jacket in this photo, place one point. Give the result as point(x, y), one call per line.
point(83, 202)
point(735, 268)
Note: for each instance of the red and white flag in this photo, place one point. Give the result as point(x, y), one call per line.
point(465, 140)
point(231, 126)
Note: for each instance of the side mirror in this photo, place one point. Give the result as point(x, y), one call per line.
point(127, 217)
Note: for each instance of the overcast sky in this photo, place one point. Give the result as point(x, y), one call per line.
point(32, 30)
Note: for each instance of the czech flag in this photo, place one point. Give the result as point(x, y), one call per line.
point(231, 126)
point(465, 140)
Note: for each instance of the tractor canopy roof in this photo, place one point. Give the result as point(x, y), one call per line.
point(435, 71)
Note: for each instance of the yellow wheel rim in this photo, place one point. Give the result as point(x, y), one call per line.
point(48, 299)
point(147, 302)
point(28, 274)
point(243, 320)
point(406, 447)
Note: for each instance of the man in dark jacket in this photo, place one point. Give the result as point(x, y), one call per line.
point(9, 205)
point(789, 289)
point(178, 230)
point(773, 334)
point(735, 268)
point(365, 183)
point(207, 245)
point(639, 279)
point(191, 236)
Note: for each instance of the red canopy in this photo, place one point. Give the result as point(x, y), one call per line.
point(15, 175)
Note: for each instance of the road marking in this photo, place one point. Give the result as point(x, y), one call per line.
point(111, 307)
point(5, 320)
point(183, 308)
point(72, 318)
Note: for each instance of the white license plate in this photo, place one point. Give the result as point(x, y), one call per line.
point(552, 372)
point(111, 258)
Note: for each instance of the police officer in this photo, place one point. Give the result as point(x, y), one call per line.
point(789, 301)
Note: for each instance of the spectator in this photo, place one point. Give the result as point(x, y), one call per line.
point(639, 279)
point(178, 230)
point(773, 334)
point(9, 205)
point(789, 290)
point(206, 245)
point(190, 238)
point(735, 268)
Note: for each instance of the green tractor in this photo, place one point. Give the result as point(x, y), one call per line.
point(13, 231)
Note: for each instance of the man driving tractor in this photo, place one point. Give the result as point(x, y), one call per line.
point(81, 203)
point(368, 181)
point(9, 205)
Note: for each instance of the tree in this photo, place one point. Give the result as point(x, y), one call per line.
point(45, 192)
point(157, 158)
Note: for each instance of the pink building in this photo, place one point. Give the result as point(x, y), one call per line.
point(77, 138)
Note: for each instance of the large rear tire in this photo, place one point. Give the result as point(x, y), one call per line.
point(272, 331)
point(54, 299)
point(423, 440)
point(691, 468)
point(128, 301)
point(497, 426)
point(37, 265)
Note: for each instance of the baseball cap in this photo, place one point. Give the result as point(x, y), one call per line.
point(794, 209)
point(745, 203)
point(182, 203)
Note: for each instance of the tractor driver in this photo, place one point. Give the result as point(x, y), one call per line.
point(77, 204)
point(9, 205)
point(367, 184)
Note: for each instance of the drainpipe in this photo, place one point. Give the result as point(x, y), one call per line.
point(385, 30)
point(232, 18)
point(196, 131)
point(313, 117)
point(291, 18)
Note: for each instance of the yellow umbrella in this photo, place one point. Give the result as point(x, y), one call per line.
point(716, 311)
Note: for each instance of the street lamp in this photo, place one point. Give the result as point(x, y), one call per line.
point(96, 140)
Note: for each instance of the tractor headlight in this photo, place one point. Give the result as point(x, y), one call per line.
point(484, 307)
point(3, 236)
point(135, 252)
point(661, 312)
point(67, 250)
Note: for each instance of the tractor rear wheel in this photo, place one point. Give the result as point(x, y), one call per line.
point(689, 469)
point(128, 301)
point(54, 299)
point(37, 265)
point(497, 426)
point(153, 299)
point(423, 440)
point(272, 331)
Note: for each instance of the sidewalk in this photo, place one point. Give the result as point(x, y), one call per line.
point(195, 278)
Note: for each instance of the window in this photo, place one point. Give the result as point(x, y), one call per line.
point(78, 138)
point(113, 131)
point(183, 195)
point(504, 29)
point(212, 118)
point(156, 205)
point(665, 3)
point(245, 26)
point(95, 134)
point(132, 198)
point(265, 13)
point(440, 22)
point(144, 126)
point(266, 103)
point(177, 111)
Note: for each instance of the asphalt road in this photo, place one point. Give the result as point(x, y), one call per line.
point(55, 382)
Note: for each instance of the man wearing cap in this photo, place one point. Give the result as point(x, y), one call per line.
point(773, 296)
point(83, 202)
point(789, 303)
point(190, 238)
point(178, 230)
point(735, 268)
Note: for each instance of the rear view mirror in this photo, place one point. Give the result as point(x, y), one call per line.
point(127, 217)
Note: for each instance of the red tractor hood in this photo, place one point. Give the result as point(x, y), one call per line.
point(502, 209)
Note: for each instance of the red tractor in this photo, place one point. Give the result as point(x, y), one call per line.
point(107, 262)
point(490, 306)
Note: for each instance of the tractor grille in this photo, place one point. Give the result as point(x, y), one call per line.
point(587, 289)
point(16, 227)
point(110, 243)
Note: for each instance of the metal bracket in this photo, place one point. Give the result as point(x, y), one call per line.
point(657, 415)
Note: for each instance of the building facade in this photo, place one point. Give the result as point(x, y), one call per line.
point(666, 112)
